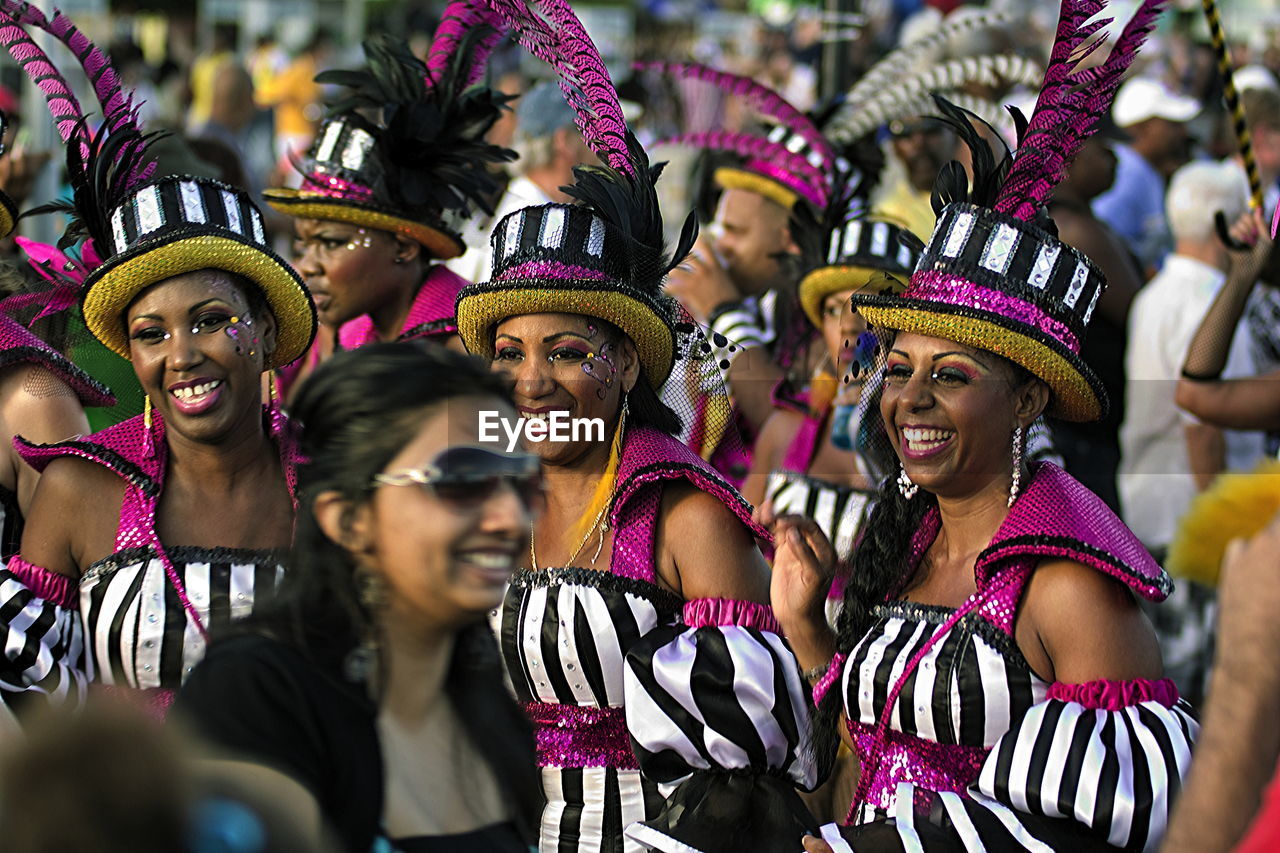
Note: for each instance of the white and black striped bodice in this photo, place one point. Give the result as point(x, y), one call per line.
point(564, 633)
point(839, 510)
point(137, 632)
point(959, 699)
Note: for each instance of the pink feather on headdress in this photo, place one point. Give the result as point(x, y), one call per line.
point(1071, 103)
point(582, 74)
point(459, 18)
point(753, 148)
point(762, 98)
point(63, 106)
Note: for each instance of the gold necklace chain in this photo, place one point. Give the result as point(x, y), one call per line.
point(604, 528)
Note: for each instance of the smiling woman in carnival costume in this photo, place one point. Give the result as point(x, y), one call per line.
point(625, 607)
point(994, 672)
point(144, 537)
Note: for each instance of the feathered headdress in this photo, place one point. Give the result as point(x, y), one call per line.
point(606, 255)
point(404, 149)
point(140, 231)
point(994, 275)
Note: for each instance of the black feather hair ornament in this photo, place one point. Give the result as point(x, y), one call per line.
point(429, 128)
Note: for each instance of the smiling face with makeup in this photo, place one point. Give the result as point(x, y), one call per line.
point(951, 411)
point(198, 348)
point(570, 363)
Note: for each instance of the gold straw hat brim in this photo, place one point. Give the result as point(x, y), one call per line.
point(730, 178)
point(302, 205)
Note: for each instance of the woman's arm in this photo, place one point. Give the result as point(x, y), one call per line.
point(770, 445)
point(1077, 625)
point(1249, 403)
point(40, 407)
point(72, 518)
point(705, 551)
point(1207, 355)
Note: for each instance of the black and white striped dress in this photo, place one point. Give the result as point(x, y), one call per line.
point(983, 754)
point(564, 634)
point(138, 633)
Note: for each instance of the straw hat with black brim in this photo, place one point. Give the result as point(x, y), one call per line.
point(996, 283)
point(862, 253)
point(181, 224)
point(567, 259)
point(344, 182)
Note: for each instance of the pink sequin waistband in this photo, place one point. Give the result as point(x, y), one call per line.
point(956, 290)
point(932, 767)
point(581, 736)
point(154, 701)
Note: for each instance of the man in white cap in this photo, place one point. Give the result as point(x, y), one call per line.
point(1155, 118)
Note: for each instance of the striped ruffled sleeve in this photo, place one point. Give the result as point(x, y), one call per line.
point(717, 708)
point(1094, 766)
point(43, 634)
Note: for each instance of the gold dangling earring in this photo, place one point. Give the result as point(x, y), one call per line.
point(148, 440)
point(274, 409)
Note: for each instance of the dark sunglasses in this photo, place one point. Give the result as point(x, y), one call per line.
point(466, 477)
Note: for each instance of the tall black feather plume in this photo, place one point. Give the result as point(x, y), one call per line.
point(630, 204)
point(952, 184)
point(101, 173)
point(432, 137)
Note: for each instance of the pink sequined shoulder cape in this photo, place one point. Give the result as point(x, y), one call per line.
point(1056, 516)
point(122, 449)
point(18, 345)
point(650, 459)
point(430, 315)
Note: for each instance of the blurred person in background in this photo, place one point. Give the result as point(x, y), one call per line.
point(549, 147)
point(1156, 118)
point(295, 97)
point(1092, 451)
point(205, 68)
point(1167, 455)
point(922, 146)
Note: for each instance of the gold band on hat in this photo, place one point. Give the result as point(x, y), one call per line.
point(306, 205)
point(730, 178)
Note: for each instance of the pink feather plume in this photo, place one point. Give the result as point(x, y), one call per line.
point(459, 17)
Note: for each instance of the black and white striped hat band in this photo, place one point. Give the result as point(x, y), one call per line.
point(569, 235)
point(797, 144)
point(872, 243)
point(342, 145)
point(1007, 254)
point(187, 203)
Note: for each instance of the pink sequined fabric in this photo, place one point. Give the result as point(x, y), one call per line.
point(651, 457)
point(947, 289)
point(930, 765)
point(430, 314)
point(704, 612)
point(551, 269)
point(580, 736)
point(154, 702)
point(788, 179)
point(51, 586)
point(318, 183)
point(1116, 695)
point(830, 677)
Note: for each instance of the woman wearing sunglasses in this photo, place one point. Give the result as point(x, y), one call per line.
point(147, 535)
point(371, 689)
point(635, 633)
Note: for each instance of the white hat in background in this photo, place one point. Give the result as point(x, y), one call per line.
point(1254, 77)
point(1143, 98)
